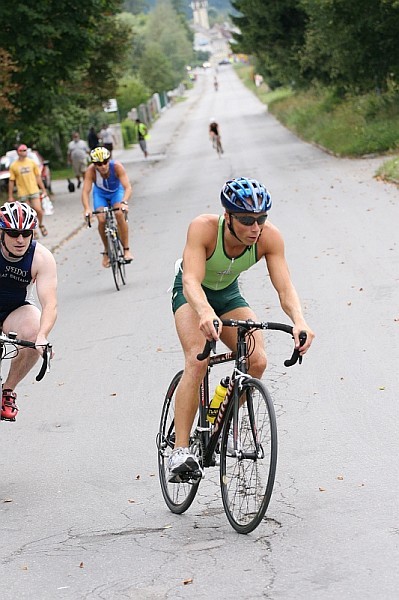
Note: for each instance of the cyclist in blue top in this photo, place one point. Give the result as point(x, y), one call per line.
point(109, 181)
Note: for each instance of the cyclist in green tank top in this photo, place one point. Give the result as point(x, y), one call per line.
point(206, 288)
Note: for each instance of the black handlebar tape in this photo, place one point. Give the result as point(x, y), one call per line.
point(209, 345)
point(295, 355)
point(206, 351)
point(46, 357)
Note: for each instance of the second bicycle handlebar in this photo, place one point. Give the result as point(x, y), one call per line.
point(104, 211)
point(248, 325)
point(47, 350)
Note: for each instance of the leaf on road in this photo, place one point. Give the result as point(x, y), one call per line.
point(159, 350)
point(7, 500)
point(114, 394)
point(382, 387)
point(340, 477)
point(81, 565)
point(349, 303)
point(321, 489)
point(131, 501)
point(24, 568)
point(187, 581)
point(137, 476)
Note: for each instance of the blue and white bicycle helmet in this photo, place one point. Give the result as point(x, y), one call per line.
point(242, 195)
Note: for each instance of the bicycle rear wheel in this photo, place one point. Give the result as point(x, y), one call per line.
point(247, 479)
point(178, 496)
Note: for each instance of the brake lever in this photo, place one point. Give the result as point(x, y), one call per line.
point(296, 356)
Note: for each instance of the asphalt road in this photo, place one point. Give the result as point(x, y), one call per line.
point(82, 516)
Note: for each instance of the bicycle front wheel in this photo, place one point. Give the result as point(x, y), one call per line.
point(248, 467)
point(178, 496)
point(115, 253)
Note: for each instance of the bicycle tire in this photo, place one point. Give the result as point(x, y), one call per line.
point(178, 496)
point(121, 260)
point(115, 254)
point(247, 480)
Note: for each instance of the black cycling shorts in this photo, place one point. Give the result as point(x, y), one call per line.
point(222, 301)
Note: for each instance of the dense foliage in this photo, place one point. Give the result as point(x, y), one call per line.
point(352, 46)
point(62, 60)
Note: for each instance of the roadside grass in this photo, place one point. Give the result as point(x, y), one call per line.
point(65, 173)
point(352, 127)
point(389, 170)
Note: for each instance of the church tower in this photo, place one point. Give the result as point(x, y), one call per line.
point(200, 13)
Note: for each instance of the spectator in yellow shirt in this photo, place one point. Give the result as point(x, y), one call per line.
point(25, 174)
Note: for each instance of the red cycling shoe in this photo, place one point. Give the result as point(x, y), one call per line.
point(9, 409)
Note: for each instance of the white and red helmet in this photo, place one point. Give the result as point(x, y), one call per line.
point(17, 215)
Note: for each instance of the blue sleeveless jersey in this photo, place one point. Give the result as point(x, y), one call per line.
point(15, 278)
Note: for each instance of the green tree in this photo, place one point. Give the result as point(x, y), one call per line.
point(135, 6)
point(352, 45)
point(136, 24)
point(274, 33)
point(131, 92)
point(156, 69)
point(67, 55)
point(165, 30)
point(7, 87)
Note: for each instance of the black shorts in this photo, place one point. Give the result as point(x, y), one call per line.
point(222, 301)
point(7, 311)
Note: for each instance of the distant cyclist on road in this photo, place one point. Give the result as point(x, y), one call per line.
point(109, 181)
point(24, 262)
point(218, 249)
point(214, 134)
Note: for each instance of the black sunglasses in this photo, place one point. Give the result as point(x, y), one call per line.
point(250, 220)
point(100, 164)
point(14, 233)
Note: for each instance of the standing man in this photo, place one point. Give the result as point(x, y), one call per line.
point(218, 249)
point(24, 262)
point(77, 156)
point(112, 184)
point(92, 138)
point(25, 174)
point(107, 138)
point(142, 132)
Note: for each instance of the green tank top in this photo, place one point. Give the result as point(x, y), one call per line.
point(221, 270)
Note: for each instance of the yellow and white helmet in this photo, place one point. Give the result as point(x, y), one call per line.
point(99, 155)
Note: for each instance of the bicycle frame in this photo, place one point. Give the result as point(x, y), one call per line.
point(210, 435)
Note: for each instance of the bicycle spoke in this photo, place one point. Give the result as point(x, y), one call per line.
point(178, 496)
point(247, 479)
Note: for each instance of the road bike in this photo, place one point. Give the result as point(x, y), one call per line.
point(217, 144)
point(10, 346)
point(114, 245)
point(243, 437)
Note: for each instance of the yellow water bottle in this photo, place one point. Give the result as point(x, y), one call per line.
point(218, 397)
